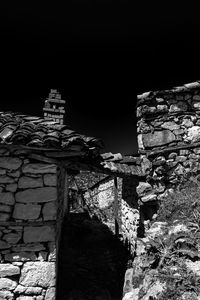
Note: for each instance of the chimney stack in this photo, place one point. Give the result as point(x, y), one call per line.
point(54, 107)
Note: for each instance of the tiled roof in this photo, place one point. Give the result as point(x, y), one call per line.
point(122, 165)
point(184, 88)
point(36, 132)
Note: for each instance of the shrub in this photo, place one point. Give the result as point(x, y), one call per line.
point(183, 204)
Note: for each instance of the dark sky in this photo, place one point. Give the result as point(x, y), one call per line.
point(99, 55)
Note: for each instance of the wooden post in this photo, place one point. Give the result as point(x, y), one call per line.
point(116, 207)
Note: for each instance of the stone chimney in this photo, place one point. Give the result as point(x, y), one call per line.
point(54, 107)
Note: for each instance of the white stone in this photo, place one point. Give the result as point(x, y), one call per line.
point(8, 270)
point(39, 234)
point(10, 163)
point(26, 182)
point(50, 294)
point(170, 125)
point(6, 295)
point(25, 298)
point(147, 198)
point(26, 211)
point(49, 211)
point(193, 134)
point(143, 187)
point(38, 274)
point(20, 289)
point(39, 168)
point(133, 295)
point(7, 198)
point(7, 284)
point(37, 195)
point(179, 106)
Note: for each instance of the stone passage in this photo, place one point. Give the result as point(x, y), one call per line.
point(28, 210)
point(92, 261)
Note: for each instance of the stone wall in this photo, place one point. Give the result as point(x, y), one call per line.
point(28, 214)
point(169, 142)
point(101, 199)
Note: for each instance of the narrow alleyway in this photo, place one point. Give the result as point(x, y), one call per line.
point(92, 261)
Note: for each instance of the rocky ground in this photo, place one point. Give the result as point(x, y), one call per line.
point(167, 259)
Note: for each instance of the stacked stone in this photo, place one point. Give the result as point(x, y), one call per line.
point(28, 210)
point(129, 212)
point(54, 107)
point(168, 139)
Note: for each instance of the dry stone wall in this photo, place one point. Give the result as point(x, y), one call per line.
point(28, 212)
point(169, 142)
point(101, 200)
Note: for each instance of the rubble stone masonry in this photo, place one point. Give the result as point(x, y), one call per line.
point(28, 212)
point(169, 141)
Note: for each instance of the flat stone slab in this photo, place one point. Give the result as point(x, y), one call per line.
point(38, 274)
point(26, 182)
point(39, 168)
point(49, 211)
point(39, 234)
point(158, 138)
point(37, 195)
point(26, 211)
point(10, 163)
point(8, 270)
point(7, 198)
point(7, 284)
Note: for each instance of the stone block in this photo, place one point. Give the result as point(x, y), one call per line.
point(4, 245)
point(7, 198)
point(158, 138)
point(39, 234)
point(49, 211)
point(6, 295)
point(50, 179)
point(4, 216)
point(26, 211)
point(25, 298)
point(11, 187)
point(50, 294)
point(14, 174)
point(20, 289)
point(39, 168)
point(20, 256)
point(143, 187)
point(5, 208)
point(147, 198)
point(37, 195)
point(8, 270)
point(179, 106)
point(10, 163)
point(28, 247)
point(6, 179)
point(7, 284)
point(170, 125)
point(12, 238)
point(38, 274)
point(26, 182)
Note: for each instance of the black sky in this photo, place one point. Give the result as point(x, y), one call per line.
point(99, 55)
